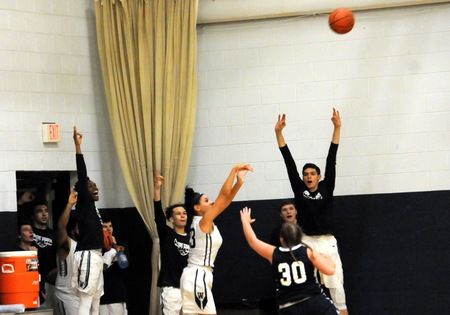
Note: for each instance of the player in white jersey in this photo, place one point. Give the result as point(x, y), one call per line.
point(205, 240)
point(67, 300)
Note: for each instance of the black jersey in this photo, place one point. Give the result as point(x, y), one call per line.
point(295, 278)
point(315, 209)
point(114, 285)
point(174, 251)
point(87, 215)
point(44, 240)
point(275, 236)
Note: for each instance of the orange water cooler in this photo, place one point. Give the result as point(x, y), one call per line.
point(19, 278)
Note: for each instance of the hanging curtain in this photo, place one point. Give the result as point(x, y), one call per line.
point(148, 52)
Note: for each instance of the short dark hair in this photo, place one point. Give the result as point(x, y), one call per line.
point(37, 204)
point(169, 209)
point(285, 203)
point(106, 218)
point(22, 223)
point(311, 165)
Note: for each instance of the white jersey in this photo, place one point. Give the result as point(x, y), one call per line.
point(63, 282)
point(203, 246)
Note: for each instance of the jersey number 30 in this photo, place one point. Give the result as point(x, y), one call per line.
point(293, 272)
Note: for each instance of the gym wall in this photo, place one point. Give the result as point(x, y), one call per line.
point(389, 79)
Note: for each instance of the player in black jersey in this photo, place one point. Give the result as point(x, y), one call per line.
point(314, 203)
point(174, 249)
point(88, 259)
point(44, 238)
point(293, 265)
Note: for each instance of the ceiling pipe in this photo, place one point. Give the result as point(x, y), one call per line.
point(220, 11)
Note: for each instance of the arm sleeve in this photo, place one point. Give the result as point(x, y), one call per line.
point(81, 185)
point(81, 167)
point(160, 219)
point(294, 178)
point(330, 168)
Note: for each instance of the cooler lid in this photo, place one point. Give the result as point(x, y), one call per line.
point(19, 253)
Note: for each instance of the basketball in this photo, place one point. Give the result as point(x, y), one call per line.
point(341, 20)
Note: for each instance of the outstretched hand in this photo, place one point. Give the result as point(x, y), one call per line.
point(73, 197)
point(243, 167)
point(77, 137)
point(246, 215)
point(27, 196)
point(281, 123)
point(242, 170)
point(158, 180)
point(336, 118)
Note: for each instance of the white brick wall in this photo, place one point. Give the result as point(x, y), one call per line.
point(389, 77)
point(49, 71)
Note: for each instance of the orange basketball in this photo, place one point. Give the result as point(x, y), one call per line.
point(341, 20)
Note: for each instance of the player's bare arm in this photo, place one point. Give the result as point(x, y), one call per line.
point(279, 126)
point(229, 189)
point(263, 249)
point(77, 139)
point(336, 120)
point(62, 239)
point(158, 181)
point(323, 263)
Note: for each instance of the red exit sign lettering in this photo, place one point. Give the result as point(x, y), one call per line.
point(50, 132)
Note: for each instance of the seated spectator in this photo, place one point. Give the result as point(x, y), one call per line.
point(113, 302)
point(26, 237)
point(44, 239)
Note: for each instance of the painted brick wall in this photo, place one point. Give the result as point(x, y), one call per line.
point(389, 78)
point(49, 71)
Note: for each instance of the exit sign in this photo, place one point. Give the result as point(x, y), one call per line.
point(50, 132)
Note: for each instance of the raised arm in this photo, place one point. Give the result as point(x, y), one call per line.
point(330, 168)
point(160, 219)
point(263, 249)
point(279, 126)
point(77, 139)
point(81, 186)
point(325, 264)
point(81, 166)
point(296, 182)
point(62, 239)
point(336, 119)
point(158, 181)
point(229, 189)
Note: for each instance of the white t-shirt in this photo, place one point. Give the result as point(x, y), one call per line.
point(63, 282)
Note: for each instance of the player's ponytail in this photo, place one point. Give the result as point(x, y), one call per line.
point(291, 235)
point(191, 198)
